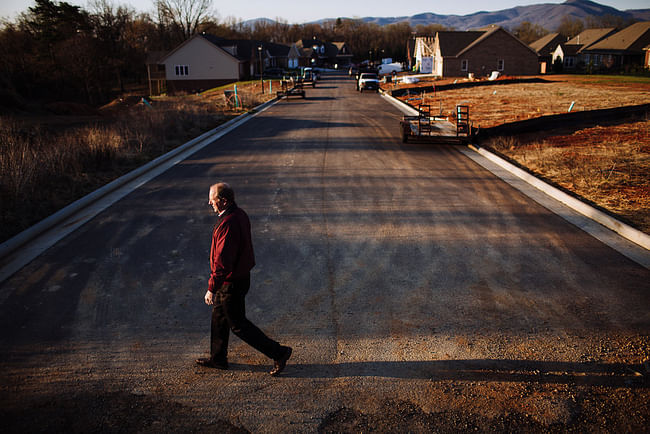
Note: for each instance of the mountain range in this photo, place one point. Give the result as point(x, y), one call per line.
point(547, 15)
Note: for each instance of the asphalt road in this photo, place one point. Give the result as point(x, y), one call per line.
point(413, 285)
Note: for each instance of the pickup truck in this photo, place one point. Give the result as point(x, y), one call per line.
point(308, 77)
point(368, 81)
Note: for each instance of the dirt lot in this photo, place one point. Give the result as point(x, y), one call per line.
point(606, 165)
point(542, 408)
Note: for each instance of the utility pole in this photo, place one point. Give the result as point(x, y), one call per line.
point(259, 50)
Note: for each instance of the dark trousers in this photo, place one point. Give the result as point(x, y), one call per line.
point(229, 313)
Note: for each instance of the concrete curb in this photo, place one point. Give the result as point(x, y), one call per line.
point(401, 105)
point(194, 145)
point(598, 216)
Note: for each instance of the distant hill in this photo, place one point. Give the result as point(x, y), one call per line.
point(546, 15)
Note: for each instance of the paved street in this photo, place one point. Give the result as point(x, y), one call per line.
point(410, 282)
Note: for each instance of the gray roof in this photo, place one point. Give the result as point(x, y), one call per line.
point(488, 32)
point(590, 36)
point(546, 44)
point(246, 48)
point(571, 49)
point(633, 38)
point(332, 49)
point(453, 42)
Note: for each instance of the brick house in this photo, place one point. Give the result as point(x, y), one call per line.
point(622, 49)
point(314, 52)
point(572, 55)
point(340, 54)
point(477, 52)
point(544, 47)
point(566, 55)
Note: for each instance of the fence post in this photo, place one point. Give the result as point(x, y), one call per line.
point(236, 98)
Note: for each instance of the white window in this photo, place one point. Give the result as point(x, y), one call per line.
point(464, 65)
point(182, 70)
point(500, 65)
point(568, 62)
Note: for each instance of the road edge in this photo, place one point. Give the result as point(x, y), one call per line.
point(29, 235)
point(623, 230)
point(611, 223)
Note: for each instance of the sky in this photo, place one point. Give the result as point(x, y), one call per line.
point(295, 11)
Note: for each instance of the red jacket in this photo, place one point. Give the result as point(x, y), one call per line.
point(231, 253)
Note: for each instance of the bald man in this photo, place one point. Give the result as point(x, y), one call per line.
point(231, 259)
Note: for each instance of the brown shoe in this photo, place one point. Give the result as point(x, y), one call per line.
point(209, 363)
point(280, 364)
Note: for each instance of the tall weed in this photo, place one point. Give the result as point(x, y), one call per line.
point(44, 169)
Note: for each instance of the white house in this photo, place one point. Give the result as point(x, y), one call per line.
point(201, 63)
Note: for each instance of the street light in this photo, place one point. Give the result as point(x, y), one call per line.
point(259, 50)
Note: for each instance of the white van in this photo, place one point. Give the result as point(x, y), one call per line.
point(388, 68)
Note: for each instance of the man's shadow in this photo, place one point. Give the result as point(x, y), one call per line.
point(498, 370)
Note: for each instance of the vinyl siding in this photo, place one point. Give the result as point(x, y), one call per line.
point(205, 62)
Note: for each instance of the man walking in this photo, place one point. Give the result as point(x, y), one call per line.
point(231, 259)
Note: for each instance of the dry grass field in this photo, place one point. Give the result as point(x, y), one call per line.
point(53, 157)
point(607, 164)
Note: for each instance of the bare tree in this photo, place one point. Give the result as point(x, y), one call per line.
point(570, 26)
point(528, 32)
point(184, 15)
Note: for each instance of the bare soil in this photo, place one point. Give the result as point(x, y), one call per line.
point(607, 164)
point(579, 410)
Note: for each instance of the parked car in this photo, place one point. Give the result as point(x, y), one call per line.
point(309, 76)
point(368, 81)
